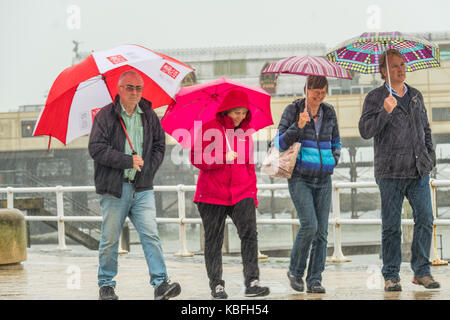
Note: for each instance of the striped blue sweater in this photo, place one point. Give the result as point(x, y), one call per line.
point(318, 154)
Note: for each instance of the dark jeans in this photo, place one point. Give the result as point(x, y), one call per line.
point(312, 200)
point(392, 192)
point(243, 215)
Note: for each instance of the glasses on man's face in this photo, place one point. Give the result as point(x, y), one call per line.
point(131, 88)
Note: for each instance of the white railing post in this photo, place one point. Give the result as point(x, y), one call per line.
point(337, 256)
point(435, 260)
point(9, 198)
point(183, 252)
point(60, 214)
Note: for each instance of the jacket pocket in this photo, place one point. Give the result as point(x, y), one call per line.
point(425, 163)
point(397, 164)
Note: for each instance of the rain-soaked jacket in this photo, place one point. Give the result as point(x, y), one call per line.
point(319, 153)
point(402, 139)
point(221, 182)
point(107, 145)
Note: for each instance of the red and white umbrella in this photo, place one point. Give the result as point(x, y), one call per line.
point(307, 65)
point(82, 89)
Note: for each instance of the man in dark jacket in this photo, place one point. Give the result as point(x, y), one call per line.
point(404, 157)
point(125, 164)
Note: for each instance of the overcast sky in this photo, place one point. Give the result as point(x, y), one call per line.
point(36, 35)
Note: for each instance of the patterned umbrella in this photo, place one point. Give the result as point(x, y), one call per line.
point(362, 53)
point(307, 65)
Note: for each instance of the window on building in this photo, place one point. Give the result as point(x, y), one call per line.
point(53, 168)
point(441, 114)
point(28, 128)
point(334, 91)
point(230, 68)
point(356, 90)
point(367, 89)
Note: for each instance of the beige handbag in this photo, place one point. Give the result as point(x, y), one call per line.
point(280, 164)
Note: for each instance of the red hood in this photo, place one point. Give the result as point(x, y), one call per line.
point(234, 99)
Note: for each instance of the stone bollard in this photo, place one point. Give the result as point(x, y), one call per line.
point(13, 236)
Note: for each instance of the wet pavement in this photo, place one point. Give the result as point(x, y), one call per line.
point(72, 275)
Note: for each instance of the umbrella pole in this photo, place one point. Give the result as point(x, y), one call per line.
point(306, 94)
point(49, 142)
point(389, 75)
point(107, 89)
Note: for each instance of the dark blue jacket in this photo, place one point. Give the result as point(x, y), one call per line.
point(107, 145)
point(318, 154)
point(402, 140)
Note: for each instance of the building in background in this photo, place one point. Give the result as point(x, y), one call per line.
point(26, 160)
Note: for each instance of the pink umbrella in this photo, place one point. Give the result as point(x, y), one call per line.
point(198, 104)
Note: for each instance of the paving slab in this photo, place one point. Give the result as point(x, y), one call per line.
point(72, 275)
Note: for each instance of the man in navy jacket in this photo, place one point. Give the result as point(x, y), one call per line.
point(404, 157)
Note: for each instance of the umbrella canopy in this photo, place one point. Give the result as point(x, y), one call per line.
point(82, 89)
point(307, 65)
point(362, 53)
point(202, 102)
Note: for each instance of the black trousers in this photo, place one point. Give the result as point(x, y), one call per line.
point(243, 215)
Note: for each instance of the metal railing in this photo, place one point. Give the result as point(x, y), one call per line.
point(335, 220)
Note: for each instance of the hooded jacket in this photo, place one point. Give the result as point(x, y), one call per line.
point(221, 182)
point(107, 145)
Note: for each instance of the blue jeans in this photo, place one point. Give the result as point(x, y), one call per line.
point(392, 192)
point(140, 208)
point(312, 200)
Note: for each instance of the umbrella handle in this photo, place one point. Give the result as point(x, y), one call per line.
point(306, 95)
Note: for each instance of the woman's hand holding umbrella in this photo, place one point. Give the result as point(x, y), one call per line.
point(231, 155)
point(303, 119)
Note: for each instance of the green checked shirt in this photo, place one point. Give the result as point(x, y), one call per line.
point(133, 124)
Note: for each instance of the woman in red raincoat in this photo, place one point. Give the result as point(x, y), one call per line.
point(226, 186)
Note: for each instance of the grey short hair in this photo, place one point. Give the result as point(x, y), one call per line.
point(129, 73)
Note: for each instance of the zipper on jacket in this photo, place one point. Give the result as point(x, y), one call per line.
point(317, 139)
point(413, 124)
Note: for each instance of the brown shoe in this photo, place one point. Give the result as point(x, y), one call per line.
point(427, 281)
point(392, 285)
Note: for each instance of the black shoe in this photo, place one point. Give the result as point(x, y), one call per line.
point(296, 282)
point(107, 293)
point(315, 288)
point(392, 285)
point(255, 290)
point(219, 293)
point(167, 290)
